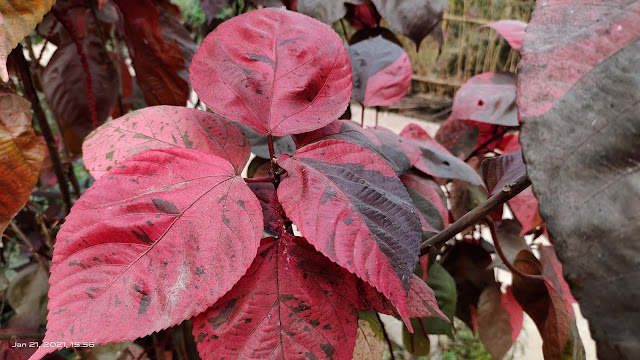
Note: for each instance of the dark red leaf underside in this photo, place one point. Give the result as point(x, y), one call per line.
point(65, 88)
point(293, 303)
point(351, 206)
point(488, 98)
point(381, 72)
point(579, 97)
point(436, 160)
point(275, 71)
point(502, 170)
point(161, 127)
point(362, 16)
point(154, 242)
point(157, 62)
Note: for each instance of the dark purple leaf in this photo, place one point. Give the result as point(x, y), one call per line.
point(502, 170)
point(413, 18)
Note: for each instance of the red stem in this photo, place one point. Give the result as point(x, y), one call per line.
point(496, 242)
point(85, 64)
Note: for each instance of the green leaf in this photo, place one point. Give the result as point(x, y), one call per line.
point(444, 287)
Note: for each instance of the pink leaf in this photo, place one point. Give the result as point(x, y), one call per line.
point(155, 241)
point(293, 303)
point(436, 160)
point(428, 198)
point(525, 208)
point(510, 30)
point(488, 98)
point(509, 143)
point(381, 72)
point(276, 71)
point(552, 270)
point(160, 127)
point(351, 206)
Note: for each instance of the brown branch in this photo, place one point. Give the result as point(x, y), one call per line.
point(476, 215)
point(41, 118)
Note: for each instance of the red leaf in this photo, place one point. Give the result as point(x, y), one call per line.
point(511, 30)
point(362, 16)
point(403, 152)
point(65, 88)
point(156, 241)
point(157, 62)
point(161, 127)
point(275, 71)
point(428, 198)
point(461, 137)
point(488, 98)
point(336, 193)
point(502, 170)
point(510, 304)
point(525, 208)
point(552, 270)
point(436, 160)
point(509, 143)
point(421, 301)
point(381, 72)
point(293, 303)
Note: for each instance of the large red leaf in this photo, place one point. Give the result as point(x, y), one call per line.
point(579, 97)
point(436, 160)
point(22, 154)
point(351, 206)
point(461, 137)
point(65, 88)
point(293, 303)
point(275, 71)
point(510, 30)
point(488, 98)
point(413, 18)
point(381, 72)
point(154, 242)
point(157, 62)
point(164, 127)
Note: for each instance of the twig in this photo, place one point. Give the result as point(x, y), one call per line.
point(483, 145)
point(344, 31)
point(386, 337)
point(476, 215)
point(41, 118)
point(510, 266)
point(362, 117)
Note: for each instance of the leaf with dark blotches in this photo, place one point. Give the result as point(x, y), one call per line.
point(402, 152)
point(22, 154)
point(579, 97)
point(381, 72)
point(436, 160)
point(461, 137)
point(413, 18)
point(502, 170)
point(428, 198)
point(274, 70)
point(352, 207)
point(160, 127)
point(156, 61)
point(292, 303)
point(155, 241)
point(499, 320)
point(65, 88)
point(327, 11)
point(488, 98)
point(510, 30)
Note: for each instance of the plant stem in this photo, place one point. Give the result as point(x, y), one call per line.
point(39, 115)
point(386, 337)
point(476, 215)
point(362, 117)
point(344, 31)
point(484, 144)
point(510, 266)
